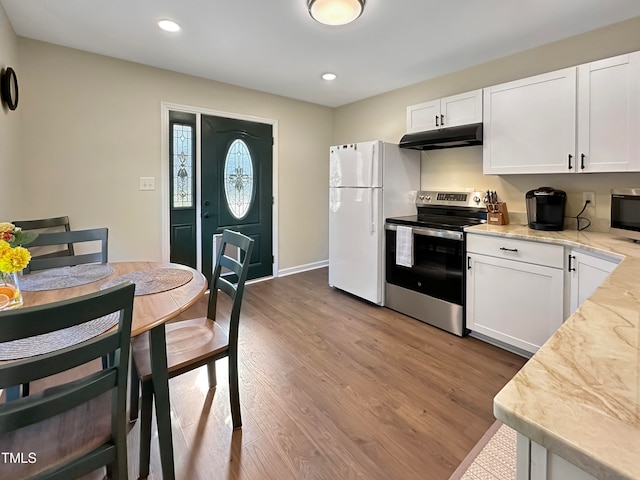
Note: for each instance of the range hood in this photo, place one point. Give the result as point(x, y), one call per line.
point(461, 136)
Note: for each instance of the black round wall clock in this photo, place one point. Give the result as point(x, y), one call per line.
point(9, 88)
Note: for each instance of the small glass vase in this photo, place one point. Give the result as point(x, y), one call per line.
point(10, 296)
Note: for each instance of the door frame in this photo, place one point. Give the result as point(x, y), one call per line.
point(165, 107)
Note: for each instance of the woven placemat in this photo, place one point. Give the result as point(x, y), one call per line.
point(65, 277)
point(153, 281)
point(50, 342)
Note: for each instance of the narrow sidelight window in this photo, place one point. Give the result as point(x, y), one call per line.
point(182, 172)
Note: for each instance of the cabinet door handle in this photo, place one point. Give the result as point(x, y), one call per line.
point(582, 161)
point(441, 120)
point(437, 121)
point(468, 263)
point(570, 166)
point(504, 249)
point(571, 267)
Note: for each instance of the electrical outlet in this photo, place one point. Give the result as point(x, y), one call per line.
point(591, 196)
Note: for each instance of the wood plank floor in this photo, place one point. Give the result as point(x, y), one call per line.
point(334, 388)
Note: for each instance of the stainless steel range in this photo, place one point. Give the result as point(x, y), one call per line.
point(425, 256)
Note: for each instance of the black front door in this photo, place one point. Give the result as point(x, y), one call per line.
point(237, 190)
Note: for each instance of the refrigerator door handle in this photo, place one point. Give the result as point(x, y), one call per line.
point(373, 156)
point(335, 169)
point(372, 225)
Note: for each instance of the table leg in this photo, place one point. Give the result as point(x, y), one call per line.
point(160, 379)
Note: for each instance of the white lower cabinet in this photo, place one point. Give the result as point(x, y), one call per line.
point(534, 462)
point(515, 296)
point(519, 292)
point(515, 290)
point(586, 273)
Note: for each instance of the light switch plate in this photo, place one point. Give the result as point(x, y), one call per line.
point(147, 183)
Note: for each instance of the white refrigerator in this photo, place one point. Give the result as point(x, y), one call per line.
point(368, 182)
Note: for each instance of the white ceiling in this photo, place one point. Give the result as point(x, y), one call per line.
point(274, 45)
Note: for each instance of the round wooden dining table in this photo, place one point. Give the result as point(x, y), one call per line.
point(150, 313)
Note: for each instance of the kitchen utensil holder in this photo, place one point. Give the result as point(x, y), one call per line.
point(497, 214)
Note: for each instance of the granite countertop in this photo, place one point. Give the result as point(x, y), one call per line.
point(579, 395)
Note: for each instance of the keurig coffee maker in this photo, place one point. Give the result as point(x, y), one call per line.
point(545, 208)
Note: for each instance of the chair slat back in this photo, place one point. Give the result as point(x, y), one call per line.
point(70, 237)
point(43, 223)
point(231, 263)
point(29, 321)
point(47, 223)
point(226, 284)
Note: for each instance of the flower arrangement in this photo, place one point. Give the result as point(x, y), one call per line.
point(13, 258)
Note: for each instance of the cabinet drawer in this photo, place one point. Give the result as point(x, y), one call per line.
point(520, 250)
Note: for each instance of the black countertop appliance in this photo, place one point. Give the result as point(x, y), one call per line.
point(545, 208)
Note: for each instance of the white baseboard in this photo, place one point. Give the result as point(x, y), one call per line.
point(303, 268)
point(503, 345)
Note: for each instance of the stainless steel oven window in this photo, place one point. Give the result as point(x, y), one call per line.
point(437, 268)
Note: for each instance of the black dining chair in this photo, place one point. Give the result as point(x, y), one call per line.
point(48, 225)
point(64, 238)
point(44, 262)
point(73, 428)
point(209, 341)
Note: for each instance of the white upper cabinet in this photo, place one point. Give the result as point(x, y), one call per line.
point(461, 109)
point(609, 115)
point(530, 124)
point(577, 120)
point(423, 116)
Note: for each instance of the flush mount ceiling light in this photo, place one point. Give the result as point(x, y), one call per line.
point(328, 76)
point(335, 12)
point(169, 26)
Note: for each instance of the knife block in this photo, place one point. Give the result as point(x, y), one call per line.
point(497, 214)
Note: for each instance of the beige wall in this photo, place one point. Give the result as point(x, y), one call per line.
point(11, 203)
point(383, 117)
point(91, 126)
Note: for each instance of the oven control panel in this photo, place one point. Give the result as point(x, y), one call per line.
point(452, 197)
point(461, 199)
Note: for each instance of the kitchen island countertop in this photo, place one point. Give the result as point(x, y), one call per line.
point(579, 395)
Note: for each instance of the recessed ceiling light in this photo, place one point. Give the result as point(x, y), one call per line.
point(328, 76)
point(169, 26)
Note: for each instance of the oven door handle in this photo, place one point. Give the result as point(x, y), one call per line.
point(430, 232)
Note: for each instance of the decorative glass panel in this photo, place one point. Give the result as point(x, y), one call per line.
point(238, 179)
point(182, 157)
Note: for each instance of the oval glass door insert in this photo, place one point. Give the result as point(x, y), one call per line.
point(238, 179)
